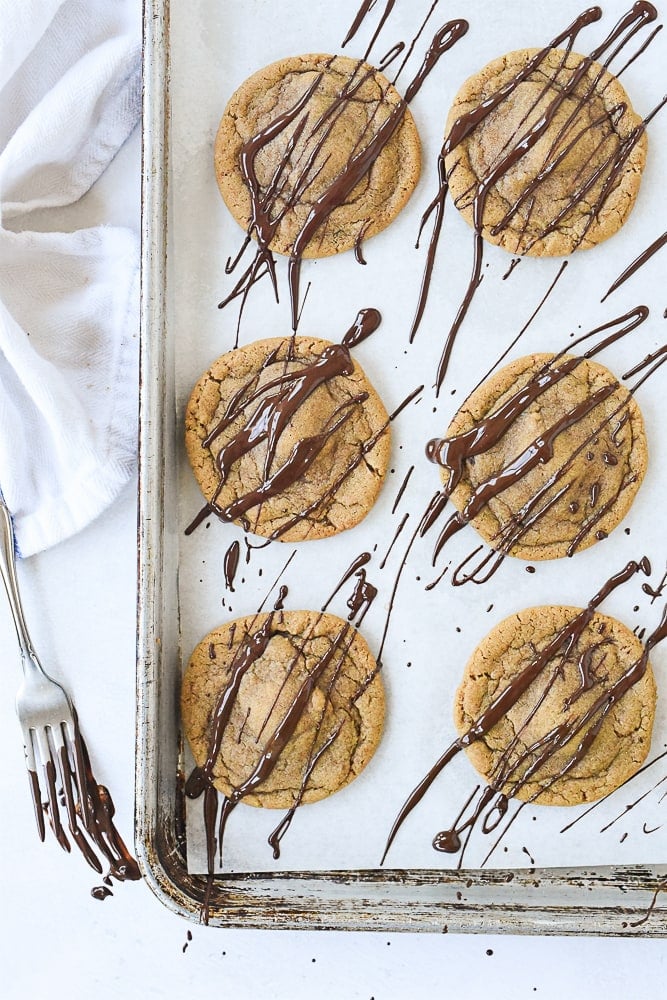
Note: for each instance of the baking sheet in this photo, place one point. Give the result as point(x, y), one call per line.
point(431, 634)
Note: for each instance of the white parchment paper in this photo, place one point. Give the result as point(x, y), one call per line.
point(214, 47)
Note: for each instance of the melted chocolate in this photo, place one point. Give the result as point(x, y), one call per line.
point(636, 264)
point(366, 7)
point(366, 323)
point(90, 811)
point(100, 892)
point(231, 564)
point(401, 490)
point(655, 592)
point(515, 261)
point(394, 540)
point(354, 568)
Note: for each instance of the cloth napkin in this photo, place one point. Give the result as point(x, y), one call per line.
point(70, 95)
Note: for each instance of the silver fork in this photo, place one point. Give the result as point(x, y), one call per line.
point(50, 729)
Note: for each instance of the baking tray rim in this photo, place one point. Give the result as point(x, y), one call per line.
point(610, 900)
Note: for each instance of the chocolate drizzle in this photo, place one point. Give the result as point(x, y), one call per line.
point(453, 453)
point(265, 215)
point(270, 408)
point(522, 142)
point(364, 10)
point(636, 264)
point(253, 646)
point(277, 401)
point(518, 766)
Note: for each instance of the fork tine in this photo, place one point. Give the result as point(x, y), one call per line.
point(35, 790)
point(68, 788)
point(42, 740)
point(80, 773)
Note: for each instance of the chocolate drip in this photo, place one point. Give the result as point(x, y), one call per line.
point(37, 803)
point(101, 892)
point(366, 323)
point(534, 757)
point(361, 598)
point(630, 805)
point(515, 261)
point(394, 540)
point(90, 811)
point(280, 600)
point(636, 264)
point(522, 142)
point(366, 7)
point(269, 591)
point(363, 594)
point(402, 487)
point(438, 206)
point(354, 568)
point(231, 563)
point(655, 592)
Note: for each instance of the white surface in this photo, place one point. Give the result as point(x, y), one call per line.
point(55, 941)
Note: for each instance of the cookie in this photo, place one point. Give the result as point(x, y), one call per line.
point(288, 438)
point(550, 475)
point(578, 183)
point(309, 115)
point(305, 675)
point(567, 686)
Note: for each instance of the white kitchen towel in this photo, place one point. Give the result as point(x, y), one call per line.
point(70, 94)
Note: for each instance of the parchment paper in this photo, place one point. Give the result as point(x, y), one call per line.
point(215, 46)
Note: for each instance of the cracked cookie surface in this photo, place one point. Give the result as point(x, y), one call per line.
point(300, 163)
point(565, 689)
point(584, 490)
point(557, 186)
point(345, 708)
point(305, 435)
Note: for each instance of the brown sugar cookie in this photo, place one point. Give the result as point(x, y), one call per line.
point(288, 438)
point(304, 703)
point(545, 457)
point(550, 746)
point(578, 183)
point(296, 125)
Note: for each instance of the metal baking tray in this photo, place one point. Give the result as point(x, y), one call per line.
point(605, 901)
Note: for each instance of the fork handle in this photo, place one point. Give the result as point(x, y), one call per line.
point(9, 578)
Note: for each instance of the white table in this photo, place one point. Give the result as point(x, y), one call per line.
point(57, 941)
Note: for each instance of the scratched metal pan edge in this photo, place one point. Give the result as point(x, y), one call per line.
point(610, 900)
